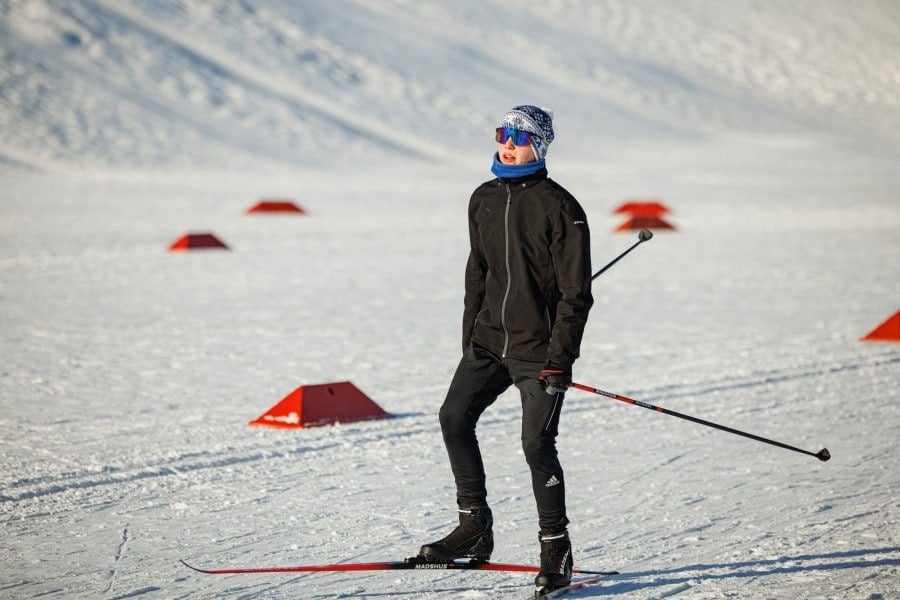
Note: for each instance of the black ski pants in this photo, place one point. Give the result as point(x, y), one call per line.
point(480, 377)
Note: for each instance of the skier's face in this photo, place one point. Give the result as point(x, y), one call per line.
point(510, 154)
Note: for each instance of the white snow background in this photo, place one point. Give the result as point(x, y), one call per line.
point(129, 373)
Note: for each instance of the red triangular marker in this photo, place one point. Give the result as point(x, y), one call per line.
point(324, 404)
point(638, 222)
point(195, 241)
point(889, 331)
point(275, 206)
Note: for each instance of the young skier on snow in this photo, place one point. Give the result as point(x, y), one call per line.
point(527, 298)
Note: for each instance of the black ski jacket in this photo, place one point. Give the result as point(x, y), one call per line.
point(528, 277)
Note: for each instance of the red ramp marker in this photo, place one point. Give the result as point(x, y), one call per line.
point(644, 222)
point(275, 207)
point(643, 208)
point(197, 241)
point(889, 331)
point(324, 404)
point(644, 214)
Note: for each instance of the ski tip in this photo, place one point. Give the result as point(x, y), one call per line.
point(192, 567)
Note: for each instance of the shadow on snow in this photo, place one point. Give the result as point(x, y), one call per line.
point(833, 561)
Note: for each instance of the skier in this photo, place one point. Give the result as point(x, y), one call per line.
point(527, 298)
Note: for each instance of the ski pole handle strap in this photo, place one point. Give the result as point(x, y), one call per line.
point(554, 380)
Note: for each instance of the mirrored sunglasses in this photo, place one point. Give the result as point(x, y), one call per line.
point(519, 137)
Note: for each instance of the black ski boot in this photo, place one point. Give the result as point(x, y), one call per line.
point(556, 563)
point(472, 538)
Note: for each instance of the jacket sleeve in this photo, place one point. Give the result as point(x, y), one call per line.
point(570, 250)
point(475, 274)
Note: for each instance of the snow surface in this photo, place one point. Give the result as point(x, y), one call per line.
point(129, 374)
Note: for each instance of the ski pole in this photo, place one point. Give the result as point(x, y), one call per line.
point(643, 236)
point(822, 454)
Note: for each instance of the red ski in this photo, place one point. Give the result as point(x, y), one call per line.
point(408, 564)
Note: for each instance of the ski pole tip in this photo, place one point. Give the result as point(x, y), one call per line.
point(823, 454)
point(645, 234)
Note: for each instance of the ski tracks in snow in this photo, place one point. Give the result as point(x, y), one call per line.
point(760, 379)
point(258, 450)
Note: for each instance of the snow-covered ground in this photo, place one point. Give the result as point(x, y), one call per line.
point(129, 373)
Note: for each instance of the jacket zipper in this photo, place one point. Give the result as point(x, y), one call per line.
point(508, 274)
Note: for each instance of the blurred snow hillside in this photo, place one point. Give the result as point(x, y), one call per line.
point(126, 83)
point(128, 374)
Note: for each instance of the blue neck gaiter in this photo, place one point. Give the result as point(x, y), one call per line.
point(515, 171)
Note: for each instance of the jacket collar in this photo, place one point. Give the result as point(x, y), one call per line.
point(527, 181)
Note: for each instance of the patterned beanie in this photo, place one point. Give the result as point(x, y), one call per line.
point(538, 121)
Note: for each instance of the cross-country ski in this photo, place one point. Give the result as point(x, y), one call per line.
point(403, 565)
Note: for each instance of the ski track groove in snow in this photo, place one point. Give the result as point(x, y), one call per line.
point(117, 556)
point(413, 425)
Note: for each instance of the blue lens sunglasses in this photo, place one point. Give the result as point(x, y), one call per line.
point(519, 136)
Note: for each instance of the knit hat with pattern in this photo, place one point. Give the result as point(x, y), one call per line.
point(536, 120)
